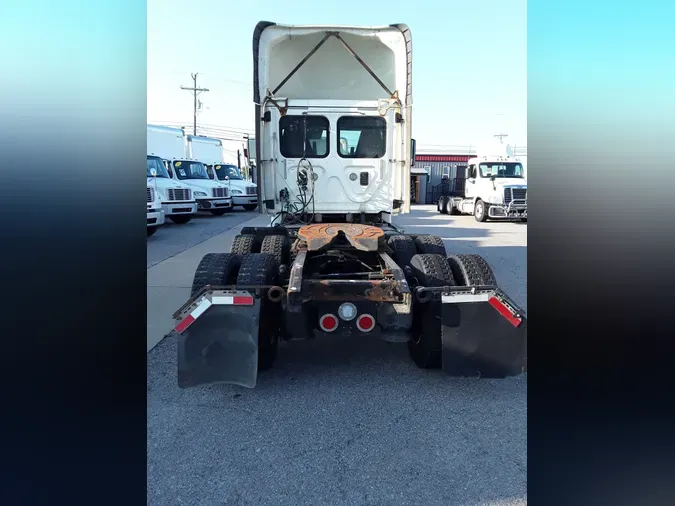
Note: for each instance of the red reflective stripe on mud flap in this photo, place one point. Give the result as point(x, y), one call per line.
point(196, 313)
point(185, 323)
point(504, 311)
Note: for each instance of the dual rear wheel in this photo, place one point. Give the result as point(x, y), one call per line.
point(256, 263)
point(250, 263)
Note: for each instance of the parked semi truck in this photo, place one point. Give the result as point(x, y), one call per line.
point(171, 145)
point(496, 188)
point(333, 115)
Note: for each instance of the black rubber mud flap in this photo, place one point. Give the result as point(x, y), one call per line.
point(486, 338)
point(220, 346)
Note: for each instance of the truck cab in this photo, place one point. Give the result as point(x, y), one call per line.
point(176, 200)
point(333, 141)
point(244, 193)
point(211, 196)
point(496, 188)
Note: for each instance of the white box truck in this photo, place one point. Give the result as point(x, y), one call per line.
point(244, 193)
point(176, 199)
point(170, 144)
point(209, 151)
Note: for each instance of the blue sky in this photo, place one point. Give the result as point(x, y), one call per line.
point(469, 61)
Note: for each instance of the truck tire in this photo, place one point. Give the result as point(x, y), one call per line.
point(426, 345)
point(404, 249)
point(480, 210)
point(277, 246)
point(218, 212)
point(443, 205)
point(180, 219)
point(243, 245)
point(152, 230)
point(471, 270)
point(261, 269)
point(250, 207)
point(452, 208)
point(430, 245)
point(215, 269)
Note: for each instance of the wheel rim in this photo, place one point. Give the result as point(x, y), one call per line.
point(479, 209)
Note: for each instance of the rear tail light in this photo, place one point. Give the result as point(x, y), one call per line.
point(328, 322)
point(365, 323)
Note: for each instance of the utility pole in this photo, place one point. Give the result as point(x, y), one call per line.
point(195, 92)
point(239, 159)
point(501, 137)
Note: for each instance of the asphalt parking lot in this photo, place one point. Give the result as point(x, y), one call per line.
point(346, 421)
point(172, 239)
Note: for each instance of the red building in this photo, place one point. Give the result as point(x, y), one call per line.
point(430, 170)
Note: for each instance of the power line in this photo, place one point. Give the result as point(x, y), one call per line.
point(211, 127)
point(195, 92)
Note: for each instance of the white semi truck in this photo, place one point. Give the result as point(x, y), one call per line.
point(209, 151)
point(170, 144)
point(155, 212)
point(334, 149)
point(496, 188)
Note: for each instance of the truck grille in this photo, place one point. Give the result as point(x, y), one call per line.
point(251, 190)
point(151, 195)
point(220, 192)
point(514, 194)
point(178, 194)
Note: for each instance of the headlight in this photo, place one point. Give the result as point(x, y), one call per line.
point(200, 194)
point(493, 200)
point(237, 192)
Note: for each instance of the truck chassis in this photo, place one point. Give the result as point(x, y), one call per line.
point(309, 281)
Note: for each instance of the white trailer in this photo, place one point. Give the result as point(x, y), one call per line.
point(204, 149)
point(171, 145)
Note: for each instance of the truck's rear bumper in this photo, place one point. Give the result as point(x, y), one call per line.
point(176, 208)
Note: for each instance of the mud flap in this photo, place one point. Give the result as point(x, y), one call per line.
point(484, 335)
point(218, 341)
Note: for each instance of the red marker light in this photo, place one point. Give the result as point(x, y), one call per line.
point(328, 323)
point(365, 323)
